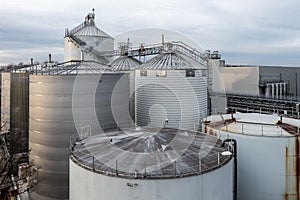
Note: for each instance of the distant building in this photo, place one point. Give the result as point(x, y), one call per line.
point(273, 82)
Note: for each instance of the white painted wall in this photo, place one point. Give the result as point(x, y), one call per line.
point(215, 185)
point(242, 80)
point(266, 165)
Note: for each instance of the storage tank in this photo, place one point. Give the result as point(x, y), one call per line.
point(128, 64)
point(268, 157)
point(14, 114)
point(171, 90)
point(150, 163)
point(77, 99)
point(87, 42)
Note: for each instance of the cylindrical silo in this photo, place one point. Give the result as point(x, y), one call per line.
point(87, 41)
point(14, 110)
point(128, 64)
point(171, 91)
point(268, 153)
point(150, 163)
point(80, 100)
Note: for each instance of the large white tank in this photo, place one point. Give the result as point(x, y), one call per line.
point(77, 100)
point(171, 90)
point(87, 41)
point(268, 157)
point(149, 163)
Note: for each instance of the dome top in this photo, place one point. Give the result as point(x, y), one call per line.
point(150, 153)
point(88, 28)
point(171, 60)
point(124, 63)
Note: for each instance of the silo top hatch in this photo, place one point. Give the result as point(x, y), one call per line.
point(89, 28)
point(150, 153)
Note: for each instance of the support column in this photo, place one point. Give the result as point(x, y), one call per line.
point(273, 90)
point(284, 89)
point(268, 90)
point(280, 90)
point(277, 90)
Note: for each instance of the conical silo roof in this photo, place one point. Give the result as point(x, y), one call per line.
point(89, 28)
point(171, 60)
point(124, 63)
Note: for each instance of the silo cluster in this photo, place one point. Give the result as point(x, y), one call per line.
point(117, 129)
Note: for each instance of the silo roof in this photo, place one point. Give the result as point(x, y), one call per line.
point(84, 67)
point(90, 30)
point(255, 124)
point(124, 63)
point(171, 60)
point(150, 153)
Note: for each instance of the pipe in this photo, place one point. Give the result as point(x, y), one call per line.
point(235, 164)
point(50, 58)
point(296, 76)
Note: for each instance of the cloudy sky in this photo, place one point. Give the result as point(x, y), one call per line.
point(245, 32)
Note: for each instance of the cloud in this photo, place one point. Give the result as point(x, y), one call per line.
point(239, 29)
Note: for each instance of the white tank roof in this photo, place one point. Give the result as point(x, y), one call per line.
point(255, 124)
point(150, 152)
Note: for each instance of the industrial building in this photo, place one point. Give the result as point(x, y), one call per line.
point(268, 153)
point(132, 114)
point(150, 163)
point(248, 88)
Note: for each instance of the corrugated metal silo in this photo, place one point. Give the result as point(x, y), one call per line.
point(14, 110)
point(87, 41)
point(75, 101)
point(128, 64)
point(171, 90)
point(149, 163)
point(268, 153)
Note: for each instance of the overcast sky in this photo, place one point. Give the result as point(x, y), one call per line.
point(244, 31)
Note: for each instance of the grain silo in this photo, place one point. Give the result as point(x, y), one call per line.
point(69, 100)
point(171, 90)
point(14, 114)
point(128, 64)
point(150, 163)
point(268, 157)
point(87, 42)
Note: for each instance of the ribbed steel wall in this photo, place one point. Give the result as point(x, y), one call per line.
point(180, 99)
point(51, 122)
point(19, 98)
point(5, 100)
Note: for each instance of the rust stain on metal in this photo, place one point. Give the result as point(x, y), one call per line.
point(297, 166)
point(286, 196)
point(289, 128)
point(292, 170)
point(212, 132)
point(205, 128)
